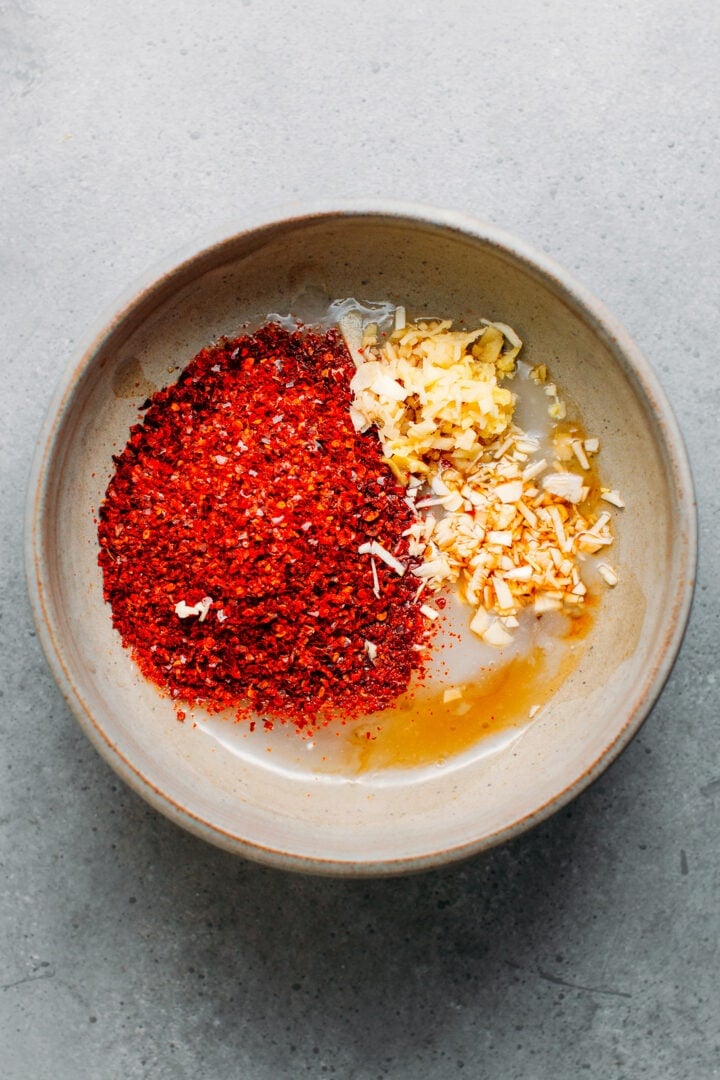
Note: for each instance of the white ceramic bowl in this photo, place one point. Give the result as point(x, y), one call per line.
point(218, 788)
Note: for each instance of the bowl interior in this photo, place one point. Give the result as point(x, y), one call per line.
point(212, 778)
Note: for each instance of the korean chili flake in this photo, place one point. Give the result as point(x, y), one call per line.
point(230, 536)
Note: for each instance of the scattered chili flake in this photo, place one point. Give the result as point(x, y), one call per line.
point(229, 538)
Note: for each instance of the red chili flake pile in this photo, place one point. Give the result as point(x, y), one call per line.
point(244, 494)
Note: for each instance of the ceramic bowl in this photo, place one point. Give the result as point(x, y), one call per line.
point(207, 778)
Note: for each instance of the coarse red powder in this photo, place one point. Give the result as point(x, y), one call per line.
point(247, 484)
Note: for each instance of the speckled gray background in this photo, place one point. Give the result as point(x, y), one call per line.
point(587, 948)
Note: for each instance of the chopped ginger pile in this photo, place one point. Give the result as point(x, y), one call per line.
point(512, 527)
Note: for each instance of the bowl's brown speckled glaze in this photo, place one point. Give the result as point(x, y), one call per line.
point(435, 262)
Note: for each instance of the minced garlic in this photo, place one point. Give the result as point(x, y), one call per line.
point(432, 391)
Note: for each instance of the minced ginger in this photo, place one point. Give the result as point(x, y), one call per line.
point(511, 527)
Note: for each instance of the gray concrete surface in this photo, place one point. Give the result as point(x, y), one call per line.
point(587, 948)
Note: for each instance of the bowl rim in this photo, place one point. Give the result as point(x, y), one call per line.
point(540, 266)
